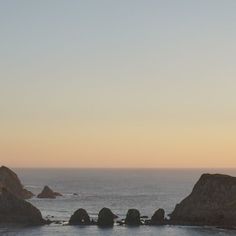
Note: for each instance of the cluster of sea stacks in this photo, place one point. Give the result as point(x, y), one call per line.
point(107, 218)
point(211, 203)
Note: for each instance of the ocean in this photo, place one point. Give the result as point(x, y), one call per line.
point(117, 189)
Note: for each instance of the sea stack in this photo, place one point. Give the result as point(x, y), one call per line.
point(48, 193)
point(133, 217)
point(212, 202)
point(158, 217)
point(14, 210)
point(80, 217)
point(11, 182)
point(105, 217)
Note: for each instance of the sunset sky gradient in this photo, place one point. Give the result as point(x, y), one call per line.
point(128, 83)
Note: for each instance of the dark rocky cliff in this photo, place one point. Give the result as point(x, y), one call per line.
point(212, 202)
point(10, 180)
point(14, 210)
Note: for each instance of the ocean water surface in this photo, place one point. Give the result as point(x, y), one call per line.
point(118, 189)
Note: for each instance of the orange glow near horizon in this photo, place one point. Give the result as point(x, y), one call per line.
point(117, 146)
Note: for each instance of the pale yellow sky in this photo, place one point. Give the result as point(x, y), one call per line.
point(119, 145)
point(133, 84)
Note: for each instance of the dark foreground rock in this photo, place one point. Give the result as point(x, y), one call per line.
point(105, 217)
point(48, 193)
point(212, 202)
point(10, 181)
point(133, 217)
point(14, 210)
point(80, 217)
point(158, 217)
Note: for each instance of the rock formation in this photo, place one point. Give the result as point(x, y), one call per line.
point(80, 217)
point(105, 217)
point(14, 210)
point(133, 217)
point(10, 181)
point(158, 217)
point(48, 193)
point(212, 202)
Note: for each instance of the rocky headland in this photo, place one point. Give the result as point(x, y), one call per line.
point(14, 210)
point(10, 181)
point(212, 202)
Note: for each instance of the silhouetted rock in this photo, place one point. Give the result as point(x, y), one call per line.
point(212, 202)
point(48, 193)
point(133, 217)
point(10, 180)
point(80, 217)
point(158, 217)
point(105, 217)
point(14, 210)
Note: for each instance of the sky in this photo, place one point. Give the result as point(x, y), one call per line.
point(118, 84)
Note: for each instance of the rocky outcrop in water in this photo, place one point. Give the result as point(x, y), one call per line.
point(158, 217)
point(80, 217)
point(133, 217)
point(105, 217)
point(10, 181)
point(212, 202)
point(48, 193)
point(14, 210)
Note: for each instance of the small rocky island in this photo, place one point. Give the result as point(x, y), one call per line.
point(48, 193)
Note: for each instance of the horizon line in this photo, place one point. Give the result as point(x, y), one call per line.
point(129, 168)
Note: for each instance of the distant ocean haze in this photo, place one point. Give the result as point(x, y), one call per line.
point(118, 189)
